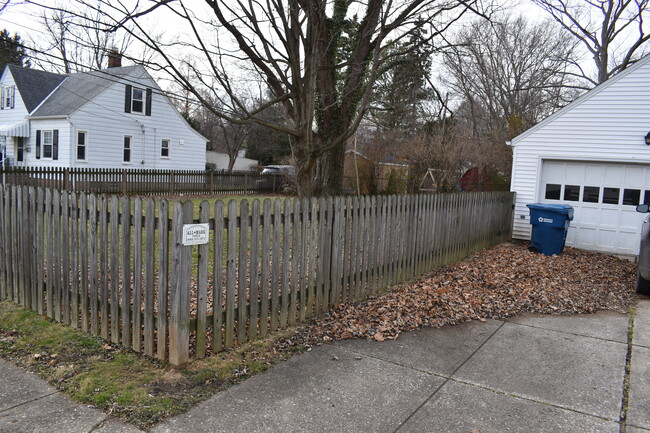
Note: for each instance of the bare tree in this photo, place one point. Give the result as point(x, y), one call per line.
point(509, 74)
point(615, 32)
point(318, 60)
point(73, 42)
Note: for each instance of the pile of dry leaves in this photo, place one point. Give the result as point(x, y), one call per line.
point(496, 283)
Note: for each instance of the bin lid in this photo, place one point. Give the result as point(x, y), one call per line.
point(564, 209)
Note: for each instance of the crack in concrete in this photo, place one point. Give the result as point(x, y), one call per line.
point(28, 402)
point(435, 392)
point(625, 401)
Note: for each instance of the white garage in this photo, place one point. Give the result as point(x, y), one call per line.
point(593, 154)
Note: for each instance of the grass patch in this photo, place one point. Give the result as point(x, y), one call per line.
point(138, 389)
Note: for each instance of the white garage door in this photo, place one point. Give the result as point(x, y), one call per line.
point(604, 197)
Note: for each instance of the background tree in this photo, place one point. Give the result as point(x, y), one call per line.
point(297, 50)
point(12, 51)
point(615, 32)
point(511, 73)
point(72, 42)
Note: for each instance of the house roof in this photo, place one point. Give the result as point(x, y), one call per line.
point(34, 85)
point(80, 88)
point(585, 97)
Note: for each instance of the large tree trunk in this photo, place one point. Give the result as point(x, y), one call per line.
point(329, 172)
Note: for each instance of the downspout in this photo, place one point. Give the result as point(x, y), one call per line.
point(143, 143)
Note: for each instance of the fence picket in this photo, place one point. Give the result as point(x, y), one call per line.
point(276, 260)
point(115, 269)
point(265, 282)
point(231, 273)
point(286, 262)
point(217, 278)
point(202, 286)
point(163, 281)
point(179, 300)
point(126, 272)
point(254, 269)
point(136, 330)
point(149, 273)
point(242, 268)
point(296, 244)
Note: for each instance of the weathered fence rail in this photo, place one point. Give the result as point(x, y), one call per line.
point(145, 182)
point(117, 267)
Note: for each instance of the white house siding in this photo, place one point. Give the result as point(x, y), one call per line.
point(221, 160)
point(63, 126)
point(606, 125)
point(101, 117)
point(13, 115)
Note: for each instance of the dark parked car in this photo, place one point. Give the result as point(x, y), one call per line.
point(643, 278)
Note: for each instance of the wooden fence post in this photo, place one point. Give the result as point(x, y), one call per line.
point(179, 302)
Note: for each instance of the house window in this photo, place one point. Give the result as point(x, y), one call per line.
point(591, 194)
point(48, 144)
point(610, 195)
point(126, 157)
point(571, 192)
point(164, 149)
point(20, 149)
point(81, 146)
point(8, 94)
point(552, 191)
point(137, 100)
point(631, 197)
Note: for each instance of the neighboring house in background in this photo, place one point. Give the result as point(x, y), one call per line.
point(113, 118)
point(593, 154)
point(221, 160)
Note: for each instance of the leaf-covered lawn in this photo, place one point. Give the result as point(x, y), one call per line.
point(495, 283)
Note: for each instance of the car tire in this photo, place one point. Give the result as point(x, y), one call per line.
point(642, 285)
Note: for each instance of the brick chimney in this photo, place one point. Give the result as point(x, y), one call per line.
point(114, 58)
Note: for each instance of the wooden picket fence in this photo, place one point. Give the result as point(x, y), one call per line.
point(118, 268)
point(143, 182)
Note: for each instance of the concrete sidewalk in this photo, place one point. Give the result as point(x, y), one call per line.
point(528, 374)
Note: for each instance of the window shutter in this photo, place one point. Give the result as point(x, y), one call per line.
point(3, 89)
point(55, 144)
point(148, 103)
point(38, 144)
point(127, 98)
point(13, 96)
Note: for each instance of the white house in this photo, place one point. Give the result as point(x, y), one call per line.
point(593, 154)
point(113, 118)
point(221, 161)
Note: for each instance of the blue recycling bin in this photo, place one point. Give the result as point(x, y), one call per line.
point(550, 225)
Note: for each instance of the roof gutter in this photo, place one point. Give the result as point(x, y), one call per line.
point(58, 116)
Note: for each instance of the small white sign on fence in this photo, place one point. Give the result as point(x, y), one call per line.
point(196, 234)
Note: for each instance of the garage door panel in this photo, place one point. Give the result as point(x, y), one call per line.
point(615, 175)
point(552, 171)
point(631, 221)
point(634, 176)
point(607, 220)
point(575, 174)
point(588, 216)
point(586, 236)
point(607, 238)
point(594, 172)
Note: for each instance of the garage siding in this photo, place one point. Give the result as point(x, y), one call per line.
point(607, 124)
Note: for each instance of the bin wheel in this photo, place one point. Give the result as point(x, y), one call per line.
point(642, 285)
point(532, 249)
